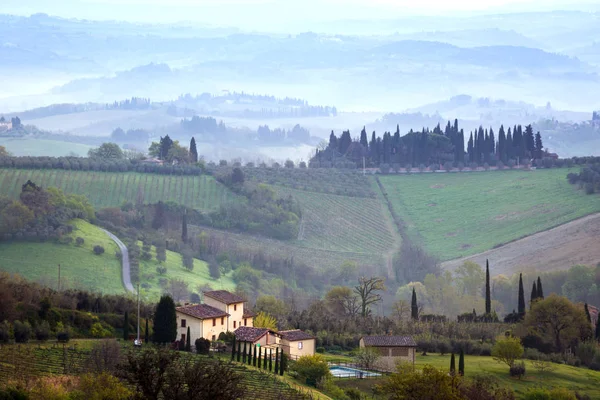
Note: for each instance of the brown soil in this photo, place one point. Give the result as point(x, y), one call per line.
point(577, 242)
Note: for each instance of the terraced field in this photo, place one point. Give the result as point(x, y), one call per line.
point(342, 223)
point(459, 214)
point(111, 189)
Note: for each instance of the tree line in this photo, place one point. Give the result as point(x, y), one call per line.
point(438, 147)
point(588, 177)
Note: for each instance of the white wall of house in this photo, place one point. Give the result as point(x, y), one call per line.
point(298, 348)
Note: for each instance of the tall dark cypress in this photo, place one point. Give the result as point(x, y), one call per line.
point(533, 295)
point(126, 326)
point(452, 364)
point(193, 151)
point(501, 150)
point(598, 328)
point(587, 313)
point(363, 139)
point(471, 149)
point(270, 360)
point(146, 333)
point(488, 295)
point(184, 230)
point(492, 148)
point(276, 361)
point(233, 349)
point(283, 365)
point(249, 353)
point(510, 152)
point(188, 341)
point(539, 146)
point(265, 360)
point(244, 354)
point(521, 307)
point(461, 363)
point(540, 290)
point(239, 351)
point(259, 360)
point(165, 321)
point(414, 308)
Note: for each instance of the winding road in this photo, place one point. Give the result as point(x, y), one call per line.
point(125, 263)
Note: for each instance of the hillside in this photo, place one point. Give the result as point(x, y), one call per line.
point(456, 215)
point(81, 268)
point(112, 189)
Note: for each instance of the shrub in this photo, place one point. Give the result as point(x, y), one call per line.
point(518, 369)
point(12, 393)
point(63, 337)
point(161, 270)
point(595, 365)
point(554, 394)
point(486, 349)
point(202, 346)
point(98, 250)
point(507, 350)
point(311, 369)
point(4, 332)
point(22, 331)
point(101, 386)
point(320, 349)
point(42, 331)
point(79, 241)
point(353, 394)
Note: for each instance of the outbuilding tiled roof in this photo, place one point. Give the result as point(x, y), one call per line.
point(225, 297)
point(389, 341)
point(295, 335)
point(250, 334)
point(202, 311)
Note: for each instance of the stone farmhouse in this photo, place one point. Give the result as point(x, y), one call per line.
point(392, 349)
point(221, 312)
point(294, 343)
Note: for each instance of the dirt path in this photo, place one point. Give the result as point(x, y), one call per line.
point(576, 242)
point(395, 226)
point(125, 264)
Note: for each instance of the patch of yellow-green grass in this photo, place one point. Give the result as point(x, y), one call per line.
point(79, 266)
point(583, 380)
point(459, 214)
point(199, 276)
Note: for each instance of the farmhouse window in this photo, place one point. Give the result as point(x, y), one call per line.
point(222, 320)
point(235, 307)
point(234, 322)
point(245, 321)
point(299, 345)
point(183, 323)
point(400, 352)
point(214, 322)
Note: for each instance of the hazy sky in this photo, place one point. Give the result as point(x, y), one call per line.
point(259, 14)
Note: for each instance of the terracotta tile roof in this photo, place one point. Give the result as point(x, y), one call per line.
point(295, 335)
point(225, 297)
point(250, 334)
point(389, 341)
point(202, 311)
point(248, 313)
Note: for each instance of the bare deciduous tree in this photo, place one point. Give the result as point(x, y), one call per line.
point(367, 292)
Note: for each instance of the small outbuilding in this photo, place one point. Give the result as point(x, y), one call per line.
point(391, 349)
point(296, 343)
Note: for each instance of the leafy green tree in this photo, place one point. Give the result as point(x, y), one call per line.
point(126, 326)
point(107, 151)
point(428, 384)
point(470, 278)
point(311, 369)
point(264, 320)
point(507, 350)
point(366, 357)
point(15, 217)
point(4, 152)
point(461, 363)
point(165, 321)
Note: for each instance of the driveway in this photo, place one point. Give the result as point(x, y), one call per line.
point(125, 263)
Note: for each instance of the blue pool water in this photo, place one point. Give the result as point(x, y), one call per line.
point(346, 372)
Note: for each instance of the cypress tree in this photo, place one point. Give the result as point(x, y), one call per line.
point(540, 290)
point(165, 321)
point(276, 361)
point(452, 365)
point(488, 296)
point(254, 356)
point(259, 362)
point(533, 295)
point(471, 148)
point(184, 230)
point(193, 150)
point(283, 365)
point(126, 326)
point(146, 333)
point(265, 360)
point(244, 354)
point(270, 360)
point(521, 307)
point(587, 313)
point(188, 341)
point(233, 349)
point(461, 363)
point(239, 351)
point(414, 309)
point(250, 354)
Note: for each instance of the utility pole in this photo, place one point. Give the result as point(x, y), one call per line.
point(59, 277)
point(138, 313)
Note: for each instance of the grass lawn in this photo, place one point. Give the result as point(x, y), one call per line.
point(459, 214)
point(80, 267)
point(33, 147)
point(581, 379)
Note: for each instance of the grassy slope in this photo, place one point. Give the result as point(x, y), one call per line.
point(81, 268)
point(457, 214)
point(110, 189)
point(43, 147)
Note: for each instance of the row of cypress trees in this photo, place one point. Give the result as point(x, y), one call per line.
point(253, 355)
point(461, 364)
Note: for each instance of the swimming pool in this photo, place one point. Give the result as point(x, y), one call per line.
point(346, 372)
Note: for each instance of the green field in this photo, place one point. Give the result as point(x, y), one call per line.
point(81, 268)
point(341, 223)
point(34, 147)
point(112, 189)
point(459, 214)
